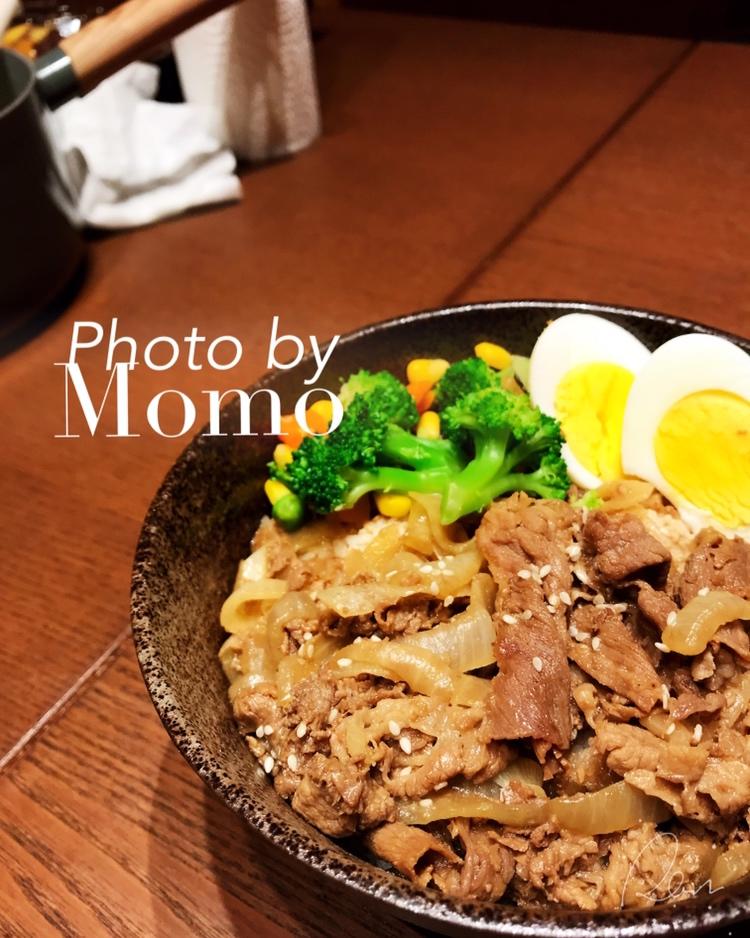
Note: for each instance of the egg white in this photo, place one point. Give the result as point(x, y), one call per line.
point(682, 366)
point(573, 340)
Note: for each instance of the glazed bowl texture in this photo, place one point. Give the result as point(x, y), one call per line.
point(197, 529)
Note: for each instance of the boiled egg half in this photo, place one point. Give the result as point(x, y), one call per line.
point(581, 372)
point(687, 430)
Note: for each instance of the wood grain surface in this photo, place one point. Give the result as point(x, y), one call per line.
point(459, 159)
point(655, 219)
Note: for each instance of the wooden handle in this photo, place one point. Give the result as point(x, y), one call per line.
point(109, 42)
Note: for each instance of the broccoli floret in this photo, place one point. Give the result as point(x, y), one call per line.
point(384, 392)
point(314, 475)
point(495, 442)
point(462, 378)
point(370, 450)
point(515, 448)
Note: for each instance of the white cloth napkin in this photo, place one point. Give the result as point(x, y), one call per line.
point(251, 66)
point(132, 160)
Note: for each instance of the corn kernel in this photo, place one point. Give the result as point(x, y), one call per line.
point(494, 355)
point(393, 506)
point(275, 490)
point(430, 370)
point(282, 455)
point(319, 416)
point(428, 427)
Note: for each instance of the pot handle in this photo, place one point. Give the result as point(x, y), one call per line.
point(107, 43)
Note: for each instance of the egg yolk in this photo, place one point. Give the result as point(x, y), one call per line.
point(590, 404)
point(702, 448)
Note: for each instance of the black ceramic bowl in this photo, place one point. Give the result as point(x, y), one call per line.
point(197, 529)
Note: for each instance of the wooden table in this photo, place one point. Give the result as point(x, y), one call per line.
point(459, 161)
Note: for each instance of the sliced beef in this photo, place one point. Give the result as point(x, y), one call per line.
point(620, 547)
point(564, 868)
point(480, 868)
point(727, 783)
point(453, 754)
point(612, 655)
point(531, 693)
point(690, 702)
point(411, 850)
point(717, 563)
point(487, 865)
point(411, 614)
point(646, 866)
point(340, 798)
point(655, 605)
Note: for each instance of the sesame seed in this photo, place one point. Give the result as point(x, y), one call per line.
point(268, 764)
point(425, 802)
point(550, 608)
point(442, 564)
point(554, 600)
point(375, 638)
point(596, 643)
point(565, 597)
point(527, 614)
point(524, 574)
point(405, 771)
point(333, 715)
point(661, 646)
point(544, 570)
point(405, 744)
point(268, 729)
point(344, 662)
point(448, 601)
point(301, 651)
point(434, 588)
point(670, 729)
point(537, 662)
point(426, 568)
point(598, 600)
point(260, 732)
point(620, 607)
point(307, 636)
point(309, 650)
point(703, 591)
point(301, 730)
point(665, 696)
point(441, 785)
point(574, 551)
point(698, 732)
point(314, 595)
point(672, 618)
point(292, 761)
point(508, 619)
point(357, 640)
point(393, 728)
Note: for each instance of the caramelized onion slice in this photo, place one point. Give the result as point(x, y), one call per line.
point(731, 866)
point(240, 609)
point(621, 494)
point(614, 808)
point(362, 599)
point(465, 641)
point(698, 622)
point(460, 802)
point(423, 671)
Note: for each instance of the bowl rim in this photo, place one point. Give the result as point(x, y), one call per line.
point(394, 894)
